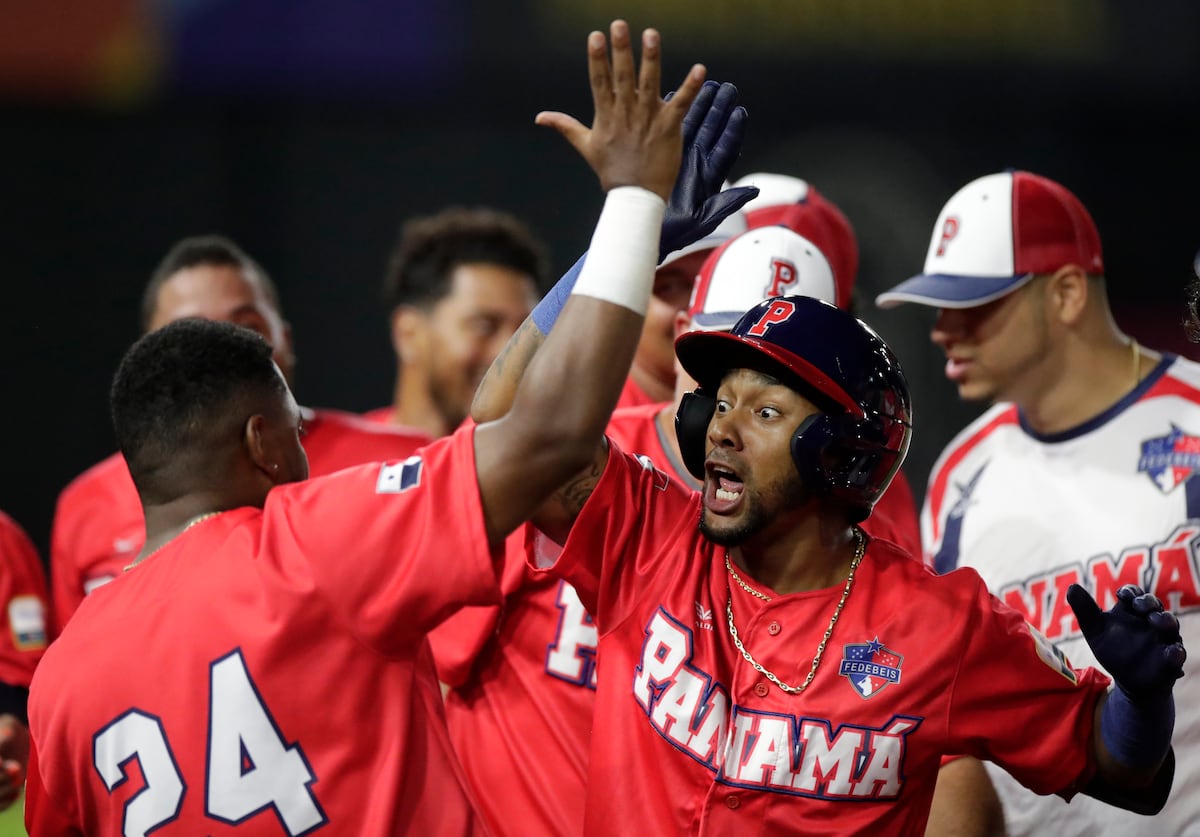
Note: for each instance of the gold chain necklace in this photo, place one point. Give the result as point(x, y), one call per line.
point(1137, 361)
point(859, 549)
point(200, 518)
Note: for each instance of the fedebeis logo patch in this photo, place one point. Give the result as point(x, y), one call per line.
point(1169, 460)
point(870, 667)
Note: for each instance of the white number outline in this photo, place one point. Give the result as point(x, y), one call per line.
point(115, 773)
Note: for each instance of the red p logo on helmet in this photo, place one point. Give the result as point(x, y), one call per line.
point(783, 273)
point(949, 230)
point(780, 311)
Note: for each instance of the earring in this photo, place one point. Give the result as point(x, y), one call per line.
point(274, 466)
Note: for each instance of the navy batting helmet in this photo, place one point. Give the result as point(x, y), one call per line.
point(850, 450)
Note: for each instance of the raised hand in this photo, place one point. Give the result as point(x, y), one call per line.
point(712, 140)
point(1137, 642)
point(636, 137)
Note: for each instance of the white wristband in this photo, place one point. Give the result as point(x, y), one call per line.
point(624, 253)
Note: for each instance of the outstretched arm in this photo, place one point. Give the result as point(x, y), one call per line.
point(965, 803)
point(560, 408)
point(712, 140)
point(712, 136)
point(1139, 644)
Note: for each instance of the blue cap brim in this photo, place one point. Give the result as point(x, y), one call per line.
point(716, 320)
point(942, 290)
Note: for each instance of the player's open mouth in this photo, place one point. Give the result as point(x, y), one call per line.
point(956, 368)
point(722, 490)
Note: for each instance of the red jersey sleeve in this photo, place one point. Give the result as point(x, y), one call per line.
point(43, 817)
point(1018, 702)
point(23, 594)
point(396, 547)
point(458, 642)
point(634, 512)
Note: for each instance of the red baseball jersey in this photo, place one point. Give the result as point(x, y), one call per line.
point(272, 674)
point(636, 429)
point(23, 596)
point(633, 395)
point(380, 415)
point(98, 527)
point(523, 680)
point(689, 738)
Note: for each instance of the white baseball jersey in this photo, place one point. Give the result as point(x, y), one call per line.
point(1114, 501)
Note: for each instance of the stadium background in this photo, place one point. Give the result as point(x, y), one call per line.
point(309, 129)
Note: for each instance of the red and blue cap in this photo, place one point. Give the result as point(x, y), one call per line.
point(994, 235)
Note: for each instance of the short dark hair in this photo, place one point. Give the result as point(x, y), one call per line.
point(430, 248)
point(180, 390)
point(1192, 322)
point(210, 250)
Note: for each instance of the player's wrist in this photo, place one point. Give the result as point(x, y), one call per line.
point(1137, 731)
point(546, 312)
point(621, 261)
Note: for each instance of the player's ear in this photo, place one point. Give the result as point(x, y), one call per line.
point(409, 327)
point(287, 348)
point(683, 323)
point(258, 448)
point(1067, 294)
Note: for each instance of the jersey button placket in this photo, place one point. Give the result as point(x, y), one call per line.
point(761, 689)
point(774, 628)
point(733, 801)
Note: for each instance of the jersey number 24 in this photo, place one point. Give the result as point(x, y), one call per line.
point(250, 766)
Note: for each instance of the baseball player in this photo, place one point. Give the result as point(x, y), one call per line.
point(273, 674)
point(523, 674)
point(98, 526)
point(1082, 470)
point(457, 286)
point(23, 621)
point(773, 669)
point(763, 265)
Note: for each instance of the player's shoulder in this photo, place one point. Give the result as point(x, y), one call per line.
point(637, 413)
point(347, 423)
point(916, 580)
point(337, 439)
point(108, 477)
point(634, 427)
point(985, 431)
point(1176, 376)
point(14, 541)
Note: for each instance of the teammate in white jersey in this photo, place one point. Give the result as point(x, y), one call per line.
point(1085, 470)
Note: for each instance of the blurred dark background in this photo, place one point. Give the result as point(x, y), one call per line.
point(308, 130)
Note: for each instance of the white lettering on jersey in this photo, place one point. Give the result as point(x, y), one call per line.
point(572, 655)
point(762, 750)
point(1169, 570)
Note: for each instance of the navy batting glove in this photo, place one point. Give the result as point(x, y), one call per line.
point(712, 140)
point(1137, 642)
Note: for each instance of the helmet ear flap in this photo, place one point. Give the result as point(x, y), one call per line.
point(812, 439)
point(691, 429)
point(848, 458)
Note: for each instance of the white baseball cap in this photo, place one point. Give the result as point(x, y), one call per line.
point(994, 235)
point(797, 205)
point(757, 265)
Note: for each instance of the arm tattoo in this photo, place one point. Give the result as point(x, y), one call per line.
point(575, 493)
point(495, 386)
point(528, 338)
